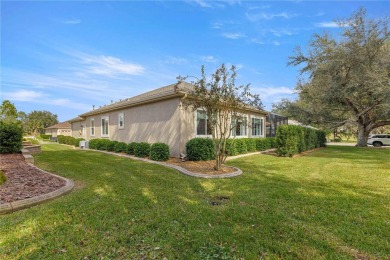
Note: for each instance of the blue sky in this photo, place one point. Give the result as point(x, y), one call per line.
point(65, 57)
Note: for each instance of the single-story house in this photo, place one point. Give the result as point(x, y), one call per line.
point(157, 116)
point(64, 128)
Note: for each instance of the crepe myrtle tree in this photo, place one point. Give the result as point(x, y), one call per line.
point(223, 101)
point(348, 77)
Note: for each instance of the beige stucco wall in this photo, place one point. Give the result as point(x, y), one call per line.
point(152, 123)
point(54, 132)
point(77, 129)
point(165, 121)
point(188, 130)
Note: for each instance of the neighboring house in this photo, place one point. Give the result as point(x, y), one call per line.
point(157, 116)
point(59, 129)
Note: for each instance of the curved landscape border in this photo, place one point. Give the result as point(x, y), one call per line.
point(10, 207)
point(180, 169)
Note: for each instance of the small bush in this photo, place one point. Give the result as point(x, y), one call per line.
point(159, 152)
point(240, 145)
point(11, 136)
point(120, 147)
point(142, 150)
point(287, 140)
point(200, 149)
point(273, 142)
point(43, 136)
point(131, 147)
point(99, 144)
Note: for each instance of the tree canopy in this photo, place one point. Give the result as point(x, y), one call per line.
point(38, 120)
point(345, 79)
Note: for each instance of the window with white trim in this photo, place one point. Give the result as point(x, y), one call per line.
point(257, 126)
point(121, 120)
point(203, 124)
point(104, 126)
point(239, 125)
point(92, 127)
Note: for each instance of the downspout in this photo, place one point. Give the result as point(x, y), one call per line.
point(181, 122)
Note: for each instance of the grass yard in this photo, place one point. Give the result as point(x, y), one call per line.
point(332, 203)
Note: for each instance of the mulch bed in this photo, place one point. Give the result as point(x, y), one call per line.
point(203, 167)
point(24, 181)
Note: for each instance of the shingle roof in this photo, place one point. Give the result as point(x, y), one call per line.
point(63, 125)
point(157, 94)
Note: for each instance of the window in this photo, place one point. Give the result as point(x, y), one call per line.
point(203, 124)
point(121, 120)
point(239, 126)
point(257, 126)
point(92, 127)
point(105, 126)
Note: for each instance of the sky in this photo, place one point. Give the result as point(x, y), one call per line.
point(66, 56)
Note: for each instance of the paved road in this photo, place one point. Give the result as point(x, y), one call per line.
point(349, 144)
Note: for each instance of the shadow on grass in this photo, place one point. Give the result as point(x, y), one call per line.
point(279, 208)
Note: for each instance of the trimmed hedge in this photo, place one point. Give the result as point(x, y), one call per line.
point(43, 136)
point(69, 140)
point(120, 147)
point(11, 136)
point(131, 147)
point(100, 144)
point(293, 139)
point(142, 150)
point(159, 152)
point(200, 149)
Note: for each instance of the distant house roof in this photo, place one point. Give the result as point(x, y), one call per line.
point(294, 122)
point(64, 125)
point(167, 92)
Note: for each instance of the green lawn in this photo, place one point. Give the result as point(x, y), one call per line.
point(332, 203)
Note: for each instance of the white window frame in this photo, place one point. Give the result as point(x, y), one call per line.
point(102, 126)
point(92, 127)
point(261, 126)
point(121, 114)
point(233, 132)
point(196, 126)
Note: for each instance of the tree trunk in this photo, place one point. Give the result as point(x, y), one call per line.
point(362, 135)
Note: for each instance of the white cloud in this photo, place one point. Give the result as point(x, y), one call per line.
point(110, 66)
point(327, 25)
point(210, 59)
point(72, 21)
point(176, 60)
point(268, 16)
point(233, 36)
point(202, 3)
point(276, 43)
point(267, 92)
point(23, 95)
point(280, 33)
point(216, 25)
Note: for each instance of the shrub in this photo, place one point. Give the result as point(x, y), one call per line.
point(321, 138)
point(250, 144)
point(300, 132)
point(111, 146)
point(120, 147)
point(240, 145)
point(77, 141)
point(159, 152)
point(287, 140)
point(43, 136)
point(310, 138)
point(200, 149)
point(273, 142)
point(93, 143)
point(11, 136)
point(263, 144)
point(142, 150)
point(231, 147)
point(2, 177)
point(131, 147)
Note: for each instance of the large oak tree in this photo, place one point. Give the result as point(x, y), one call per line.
point(346, 79)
